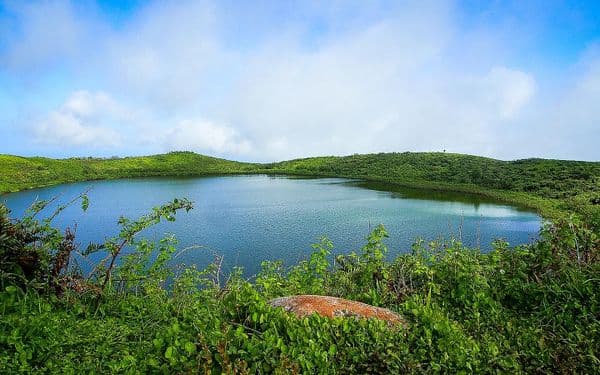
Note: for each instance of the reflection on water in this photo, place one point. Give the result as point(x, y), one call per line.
point(434, 195)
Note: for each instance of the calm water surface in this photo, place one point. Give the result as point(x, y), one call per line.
point(248, 219)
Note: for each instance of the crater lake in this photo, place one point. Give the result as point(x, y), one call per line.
point(251, 218)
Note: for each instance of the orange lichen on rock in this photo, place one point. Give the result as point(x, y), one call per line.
point(304, 305)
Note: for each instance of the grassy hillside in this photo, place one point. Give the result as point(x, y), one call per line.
point(18, 173)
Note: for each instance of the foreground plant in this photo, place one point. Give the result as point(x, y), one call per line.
point(33, 254)
point(530, 309)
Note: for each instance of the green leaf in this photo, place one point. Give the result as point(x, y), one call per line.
point(11, 289)
point(85, 202)
point(332, 349)
point(190, 347)
point(157, 342)
point(169, 353)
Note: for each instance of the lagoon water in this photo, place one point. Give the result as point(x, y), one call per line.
point(248, 219)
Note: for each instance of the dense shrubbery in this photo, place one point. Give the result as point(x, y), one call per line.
point(528, 309)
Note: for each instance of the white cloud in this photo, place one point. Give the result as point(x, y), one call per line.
point(356, 93)
point(511, 89)
point(48, 32)
point(85, 119)
point(64, 129)
point(166, 54)
point(202, 135)
point(389, 87)
point(572, 125)
point(87, 104)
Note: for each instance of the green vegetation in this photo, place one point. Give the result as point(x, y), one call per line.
point(529, 309)
point(19, 173)
point(546, 178)
point(533, 308)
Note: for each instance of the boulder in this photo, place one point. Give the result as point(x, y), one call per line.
point(304, 305)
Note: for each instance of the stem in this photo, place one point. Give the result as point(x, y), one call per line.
point(112, 263)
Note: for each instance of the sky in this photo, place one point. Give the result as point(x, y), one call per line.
point(274, 80)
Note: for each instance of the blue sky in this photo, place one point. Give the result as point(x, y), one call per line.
point(271, 80)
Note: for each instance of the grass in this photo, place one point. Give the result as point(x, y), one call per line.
point(19, 173)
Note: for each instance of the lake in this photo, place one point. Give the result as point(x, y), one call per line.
point(248, 219)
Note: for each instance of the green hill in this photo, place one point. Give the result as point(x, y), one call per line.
point(18, 173)
point(546, 178)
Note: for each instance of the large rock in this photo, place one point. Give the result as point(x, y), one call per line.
point(304, 305)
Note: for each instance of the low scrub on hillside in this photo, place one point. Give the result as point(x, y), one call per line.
point(529, 309)
point(18, 173)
